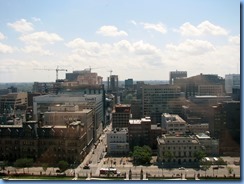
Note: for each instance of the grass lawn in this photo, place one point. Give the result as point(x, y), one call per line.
point(38, 177)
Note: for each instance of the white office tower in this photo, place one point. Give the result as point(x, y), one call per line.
point(231, 81)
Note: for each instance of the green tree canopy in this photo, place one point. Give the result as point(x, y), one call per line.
point(63, 165)
point(168, 155)
point(142, 155)
point(199, 155)
point(23, 162)
point(44, 166)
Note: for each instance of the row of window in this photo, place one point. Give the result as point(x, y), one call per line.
point(179, 154)
point(178, 147)
point(179, 160)
point(178, 141)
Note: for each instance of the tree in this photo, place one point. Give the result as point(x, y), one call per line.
point(205, 165)
point(230, 170)
point(142, 155)
point(23, 162)
point(4, 164)
point(44, 167)
point(168, 155)
point(199, 155)
point(63, 165)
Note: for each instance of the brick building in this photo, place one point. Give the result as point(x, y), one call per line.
point(46, 144)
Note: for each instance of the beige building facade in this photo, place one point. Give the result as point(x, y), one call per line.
point(173, 123)
point(177, 150)
point(66, 115)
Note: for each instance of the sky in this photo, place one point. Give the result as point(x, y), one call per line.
point(139, 39)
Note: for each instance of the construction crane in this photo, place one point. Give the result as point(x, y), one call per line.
point(57, 70)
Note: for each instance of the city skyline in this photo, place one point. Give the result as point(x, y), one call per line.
point(143, 40)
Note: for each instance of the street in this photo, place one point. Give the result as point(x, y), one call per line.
point(98, 159)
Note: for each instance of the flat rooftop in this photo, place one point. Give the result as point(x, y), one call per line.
point(173, 118)
point(135, 121)
point(202, 136)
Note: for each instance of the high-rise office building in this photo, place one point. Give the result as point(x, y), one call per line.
point(158, 99)
point(129, 83)
point(114, 83)
point(12, 102)
point(176, 75)
point(231, 81)
point(190, 85)
point(225, 126)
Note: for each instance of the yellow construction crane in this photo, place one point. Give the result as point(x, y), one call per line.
point(57, 70)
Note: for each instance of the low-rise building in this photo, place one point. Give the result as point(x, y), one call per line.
point(121, 115)
point(173, 123)
point(45, 144)
point(198, 128)
point(117, 142)
point(177, 150)
point(210, 145)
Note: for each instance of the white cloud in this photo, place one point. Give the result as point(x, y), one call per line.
point(235, 39)
point(21, 26)
point(156, 27)
point(41, 38)
point(204, 28)
point(5, 48)
point(135, 48)
point(80, 43)
point(2, 37)
point(36, 19)
point(36, 49)
point(144, 48)
point(195, 47)
point(133, 22)
point(118, 56)
point(124, 45)
point(111, 31)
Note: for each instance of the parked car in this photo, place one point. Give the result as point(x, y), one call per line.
point(61, 174)
point(181, 168)
point(86, 167)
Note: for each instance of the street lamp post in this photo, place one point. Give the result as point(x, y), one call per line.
point(162, 169)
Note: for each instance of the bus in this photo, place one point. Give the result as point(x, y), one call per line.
point(108, 171)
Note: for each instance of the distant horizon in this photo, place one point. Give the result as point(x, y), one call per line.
point(104, 81)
